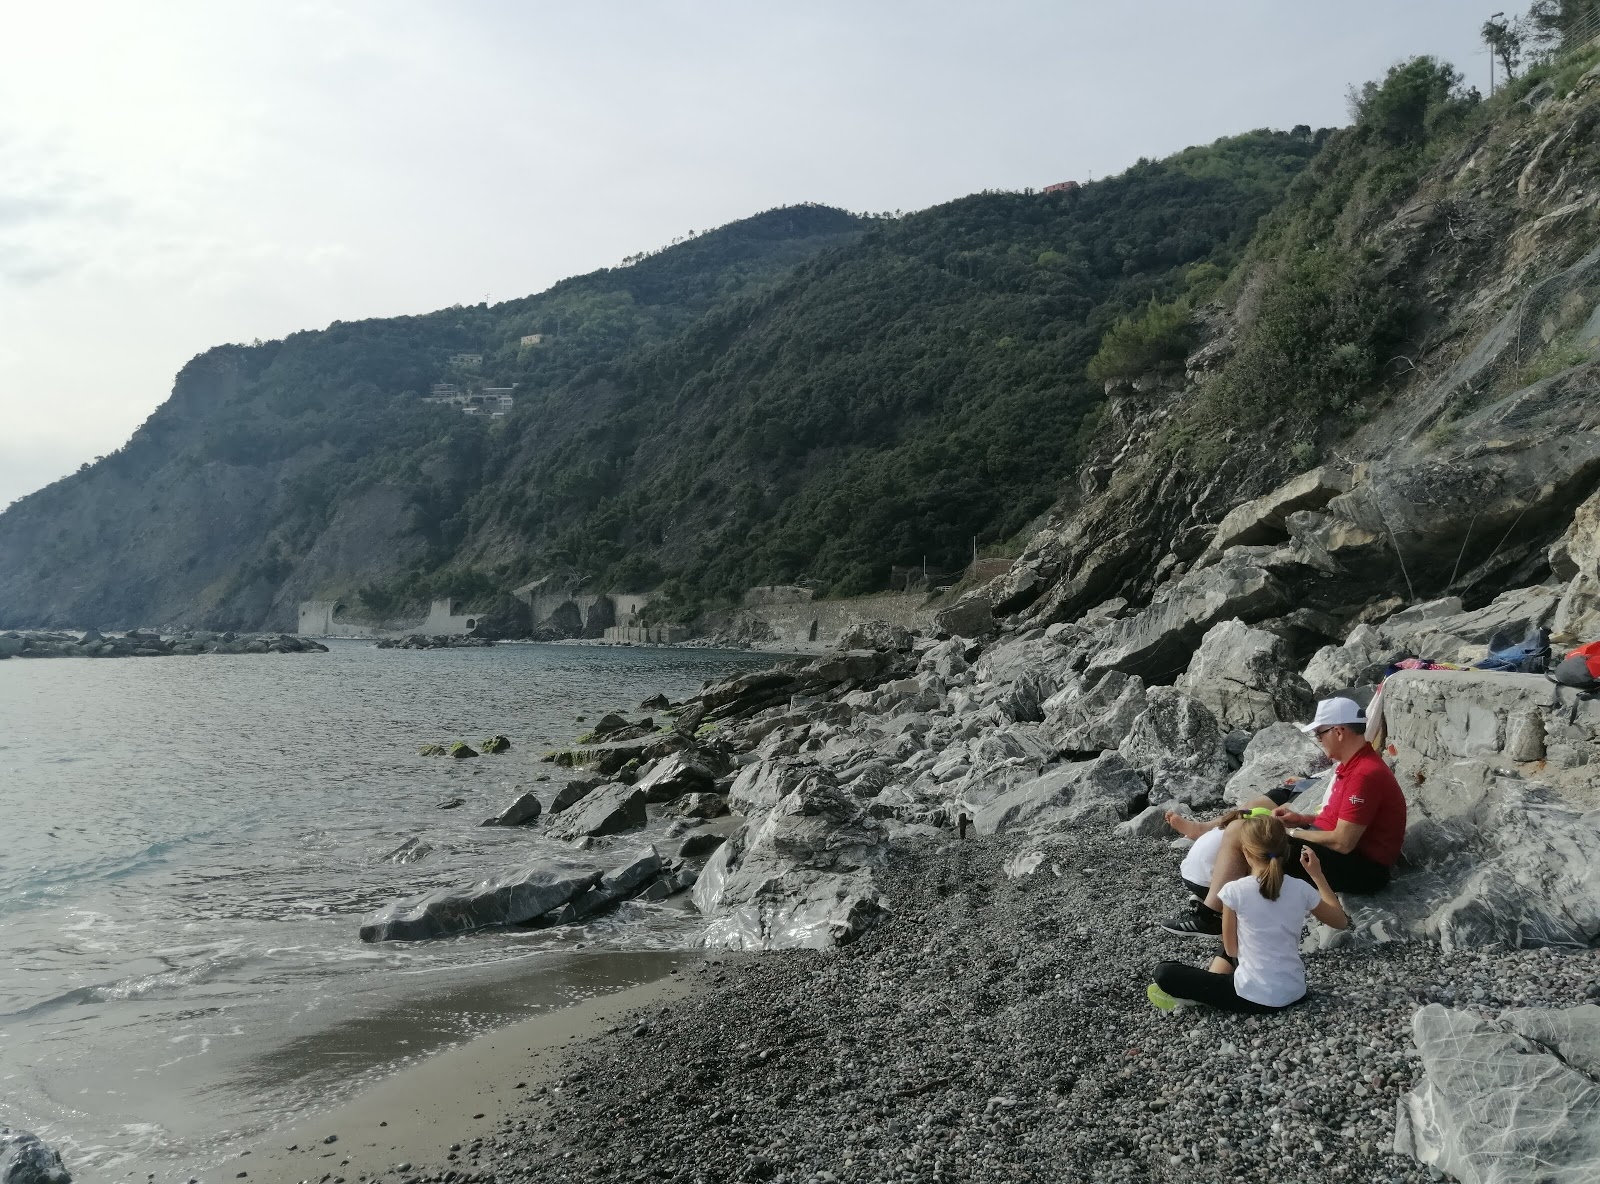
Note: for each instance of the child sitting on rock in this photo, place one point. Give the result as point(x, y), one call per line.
point(1262, 916)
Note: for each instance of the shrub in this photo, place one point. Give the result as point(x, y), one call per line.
point(1157, 339)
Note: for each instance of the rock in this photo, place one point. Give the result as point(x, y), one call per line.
point(1575, 558)
point(656, 702)
point(1149, 823)
point(947, 659)
point(1102, 791)
point(1243, 676)
point(1157, 644)
point(609, 722)
point(433, 750)
point(572, 793)
point(1358, 662)
point(1441, 630)
point(460, 749)
point(970, 616)
point(674, 776)
point(697, 844)
point(1094, 718)
point(874, 635)
point(1274, 755)
point(620, 883)
point(25, 1159)
point(799, 875)
point(521, 812)
point(409, 851)
point(1177, 744)
point(511, 899)
point(449, 803)
point(1507, 1101)
point(1264, 520)
point(606, 810)
point(495, 745)
point(850, 665)
point(702, 805)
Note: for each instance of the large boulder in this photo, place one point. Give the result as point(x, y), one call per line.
point(874, 635)
point(625, 880)
point(1157, 643)
point(797, 875)
point(608, 810)
point(674, 776)
point(1243, 676)
point(1511, 1100)
point(1178, 745)
point(511, 899)
point(573, 792)
point(970, 616)
point(1100, 792)
point(1360, 660)
point(1444, 631)
point(1274, 755)
point(1096, 717)
point(25, 1159)
point(1575, 558)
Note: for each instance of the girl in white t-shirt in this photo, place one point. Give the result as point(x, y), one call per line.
point(1262, 917)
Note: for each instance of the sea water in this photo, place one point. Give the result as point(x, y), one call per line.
point(187, 845)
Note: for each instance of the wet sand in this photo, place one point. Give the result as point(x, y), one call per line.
point(415, 1115)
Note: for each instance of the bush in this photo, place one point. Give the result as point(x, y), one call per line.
point(1160, 338)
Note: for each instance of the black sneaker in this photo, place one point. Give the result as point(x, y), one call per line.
point(1198, 921)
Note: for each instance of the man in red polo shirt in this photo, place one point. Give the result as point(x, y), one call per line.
point(1357, 835)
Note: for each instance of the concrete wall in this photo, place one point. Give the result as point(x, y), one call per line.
point(325, 618)
point(448, 617)
point(819, 622)
point(648, 634)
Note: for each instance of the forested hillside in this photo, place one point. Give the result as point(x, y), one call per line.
point(805, 395)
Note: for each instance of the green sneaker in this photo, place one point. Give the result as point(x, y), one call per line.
point(1159, 998)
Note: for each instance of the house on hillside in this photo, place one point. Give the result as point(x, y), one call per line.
point(531, 339)
point(1062, 187)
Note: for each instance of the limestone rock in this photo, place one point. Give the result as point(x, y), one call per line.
point(1444, 631)
point(606, 810)
point(1575, 558)
point(1359, 661)
point(970, 616)
point(874, 635)
point(1274, 755)
point(1243, 676)
point(521, 812)
point(510, 899)
point(25, 1159)
point(1149, 823)
point(1103, 791)
point(1085, 718)
point(674, 776)
point(1507, 1101)
point(1157, 643)
point(1178, 745)
point(620, 883)
point(697, 844)
point(1264, 519)
point(798, 875)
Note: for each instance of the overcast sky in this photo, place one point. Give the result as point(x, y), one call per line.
point(176, 175)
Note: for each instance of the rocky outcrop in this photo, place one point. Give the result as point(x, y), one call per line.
point(1243, 675)
point(1512, 1100)
point(1178, 745)
point(1575, 558)
point(970, 616)
point(524, 810)
point(675, 776)
point(511, 899)
point(1264, 519)
point(1158, 643)
point(25, 1159)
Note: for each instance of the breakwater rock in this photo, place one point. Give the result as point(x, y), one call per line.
point(136, 644)
point(439, 641)
point(25, 1159)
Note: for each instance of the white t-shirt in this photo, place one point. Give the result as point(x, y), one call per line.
point(1270, 971)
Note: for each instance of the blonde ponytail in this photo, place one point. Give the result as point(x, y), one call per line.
point(1265, 842)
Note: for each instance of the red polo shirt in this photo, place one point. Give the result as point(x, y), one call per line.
point(1366, 793)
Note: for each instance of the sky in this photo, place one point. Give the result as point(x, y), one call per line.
point(177, 175)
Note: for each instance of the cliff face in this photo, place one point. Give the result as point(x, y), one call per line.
point(1469, 454)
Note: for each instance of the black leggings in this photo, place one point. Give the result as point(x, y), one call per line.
point(1195, 983)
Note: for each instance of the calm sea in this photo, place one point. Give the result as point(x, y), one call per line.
point(188, 844)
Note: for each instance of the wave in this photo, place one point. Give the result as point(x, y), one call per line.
point(138, 986)
point(44, 884)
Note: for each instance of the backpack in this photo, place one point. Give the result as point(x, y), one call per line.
point(1580, 669)
point(1531, 655)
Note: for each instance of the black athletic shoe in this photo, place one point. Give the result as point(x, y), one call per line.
point(1198, 921)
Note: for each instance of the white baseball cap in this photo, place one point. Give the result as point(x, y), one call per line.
point(1333, 712)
